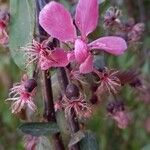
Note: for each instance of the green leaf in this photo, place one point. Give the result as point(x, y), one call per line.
point(146, 67)
point(61, 121)
point(89, 142)
point(21, 30)
point(146, 147)
point(77, 137)
point(39, 128)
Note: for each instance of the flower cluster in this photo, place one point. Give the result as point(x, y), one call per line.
point(57, 21)
point(128, 29)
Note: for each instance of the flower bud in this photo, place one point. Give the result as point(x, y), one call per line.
point(136, 83)
point(136, 32)
point(139, 27)
point(94, 99)
point(72, 91)
point(115, 106)
point(30, 84)
point(111, 17)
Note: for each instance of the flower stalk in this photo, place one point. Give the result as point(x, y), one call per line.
point(49, 111)
point(71, 119)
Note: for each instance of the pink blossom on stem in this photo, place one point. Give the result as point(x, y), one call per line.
point(108, 81)
point(22, 95)
point(57, 22)
point(46, 58)
point(81, 108)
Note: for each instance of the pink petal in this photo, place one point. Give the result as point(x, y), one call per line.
point(122, 119)
point(86, 17)
point(60, 58)
point(57, 22)
point(87, 66)
point(80, 51)
point(3, 36)
point(111, 44)
point(31, 105)
point(56, 58)
point(44, 63)
point(71, 56)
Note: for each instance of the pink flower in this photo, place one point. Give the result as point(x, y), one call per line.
point(30, 142)
point(21, 95)
point(136, 32)
point(4, 19)
point(122, 119)
point(57, 22)
point(111, 17)
point(81, 108)
point(117, 112)
point(46, 58)
point(3, 34)
point(108, 81)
